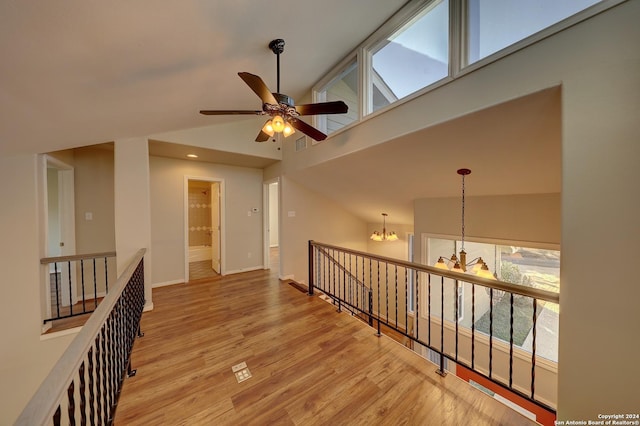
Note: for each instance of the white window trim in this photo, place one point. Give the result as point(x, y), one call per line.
point(457, 54)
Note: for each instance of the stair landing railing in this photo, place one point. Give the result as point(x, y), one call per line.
point(84, 385)
point(77, 283)
point(422, 303)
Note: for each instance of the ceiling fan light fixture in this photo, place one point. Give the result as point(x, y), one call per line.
point(278, 124)
point(288, 130)
point(268, 128)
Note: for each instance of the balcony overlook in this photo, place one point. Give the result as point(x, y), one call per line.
point(307, 364)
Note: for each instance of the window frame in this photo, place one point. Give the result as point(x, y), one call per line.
point(457, 52)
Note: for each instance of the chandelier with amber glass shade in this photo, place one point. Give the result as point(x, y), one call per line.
point(459, 263)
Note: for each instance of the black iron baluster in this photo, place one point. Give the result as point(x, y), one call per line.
point(416, 289)
point(333, 275)
point(311, 269)
point(511, 341)
point(92, 397)
point(84, 307)
point(395, 268)
point(490, 332)
point(106, 277)
point(533, 349)
point(112, 364)
point(70, 289)
point(95, 285)
point(83, 396)
point(55, 271)
point(105, 389)
point(378, 307)
point(56, 416)
point(71, 408)
point(473, 326)
point(441, 371)
point(429, 309)
point(386, 292)
point(343, 278)
point(456, 314)
point(98, 382)
point(406, 299)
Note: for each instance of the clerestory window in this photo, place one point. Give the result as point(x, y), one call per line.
point(430, 42)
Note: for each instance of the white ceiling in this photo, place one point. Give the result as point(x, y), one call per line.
point(76, 73)
point(511, 148)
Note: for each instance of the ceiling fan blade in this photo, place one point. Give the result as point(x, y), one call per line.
point(335, 107)
point(262, 137)
point(308, 130)
point(257, 85)
point(230, 112)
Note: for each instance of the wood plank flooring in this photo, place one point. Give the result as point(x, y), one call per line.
point(310, 365)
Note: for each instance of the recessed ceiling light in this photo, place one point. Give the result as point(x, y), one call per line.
point(192, 156)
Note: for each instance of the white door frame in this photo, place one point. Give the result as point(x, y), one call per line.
point(223, 262)
point(66, 217)
point(215, 213)
point(266, 221)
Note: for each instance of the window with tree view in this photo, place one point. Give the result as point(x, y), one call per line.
point(521, 266)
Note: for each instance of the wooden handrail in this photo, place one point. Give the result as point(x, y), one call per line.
point(536, 293)
point(47, 260)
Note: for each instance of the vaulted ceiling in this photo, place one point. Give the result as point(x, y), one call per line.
point(76, 73)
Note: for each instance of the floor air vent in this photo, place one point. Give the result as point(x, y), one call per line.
point(241, 371)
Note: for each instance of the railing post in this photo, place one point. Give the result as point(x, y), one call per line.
point(311, 268)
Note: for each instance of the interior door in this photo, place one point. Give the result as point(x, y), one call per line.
point(215, 226)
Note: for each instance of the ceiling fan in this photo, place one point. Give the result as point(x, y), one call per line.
point(280, 107)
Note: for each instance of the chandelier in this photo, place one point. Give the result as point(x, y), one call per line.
point(459, 264)
point(384, 236)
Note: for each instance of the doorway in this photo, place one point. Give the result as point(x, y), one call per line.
point(59, 235)
point(203, 229)
point(271, 225)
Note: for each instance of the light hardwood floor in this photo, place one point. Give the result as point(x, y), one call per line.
point(310, 365)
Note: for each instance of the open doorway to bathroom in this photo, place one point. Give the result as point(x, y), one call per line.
point(203, 229)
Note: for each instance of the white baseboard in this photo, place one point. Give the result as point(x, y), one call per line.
point(239, 271)
point(286, 277)
point(166, 283)
point(148, 306)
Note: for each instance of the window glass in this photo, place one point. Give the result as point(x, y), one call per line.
point(493, 25)
point(412, 58)
point(342, 88)
point(537, 268)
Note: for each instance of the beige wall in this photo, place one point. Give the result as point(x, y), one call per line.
point(94, 193)
point(132, 207)
point(315, 218)
point(24, 358)
point(532, 218)
point(242, 233)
